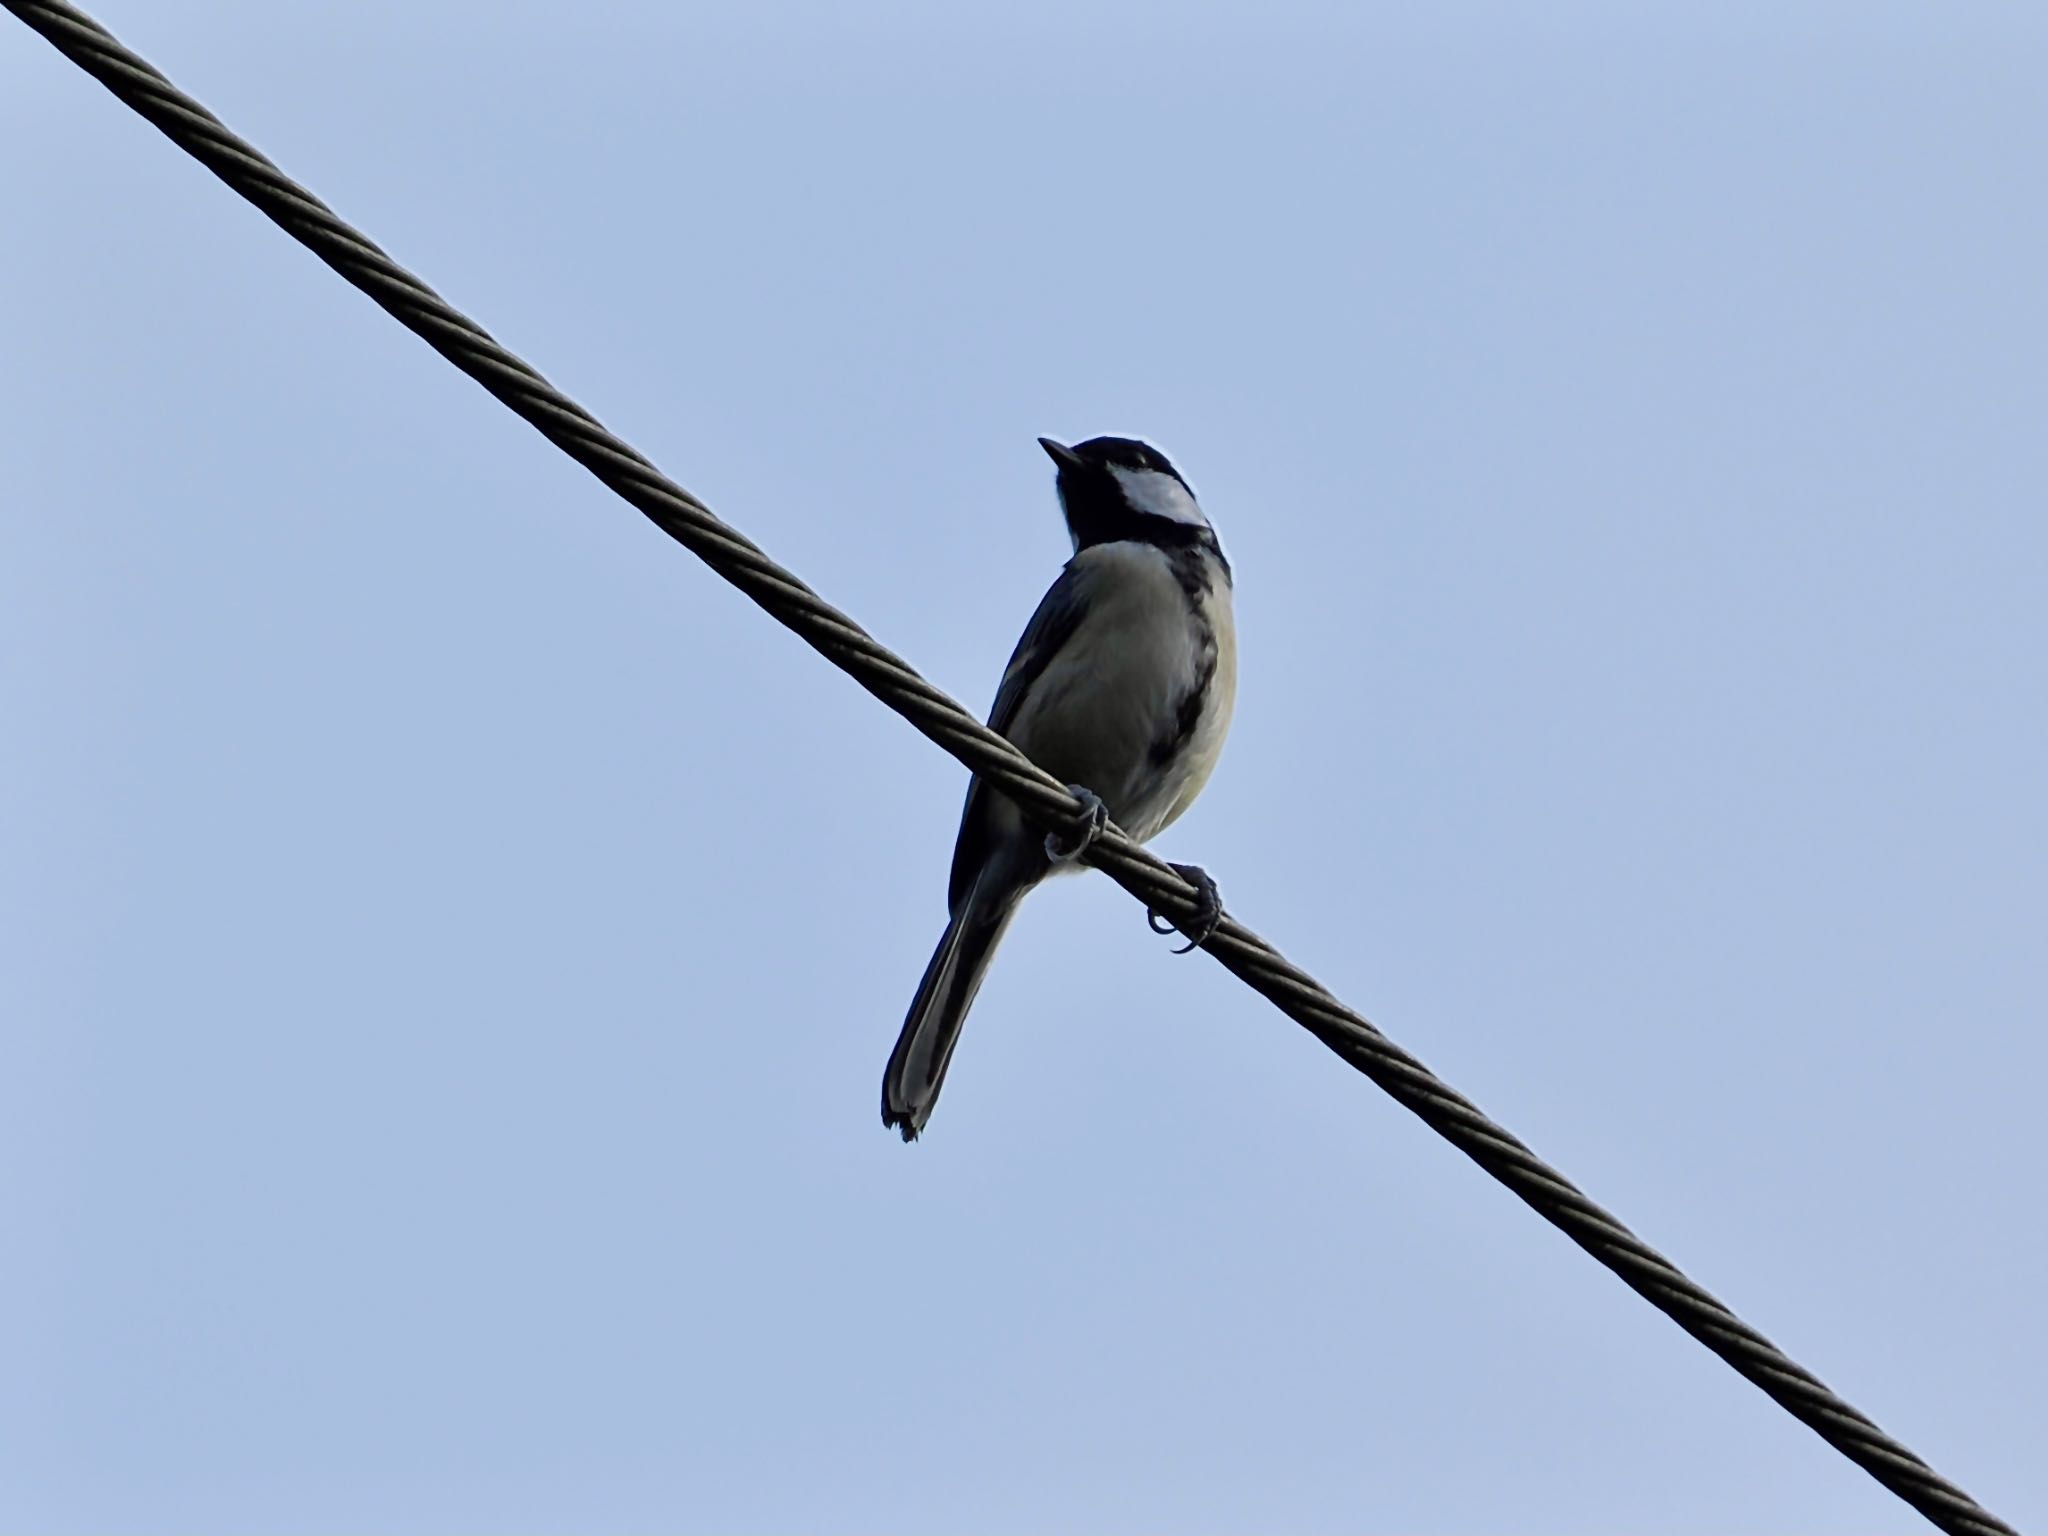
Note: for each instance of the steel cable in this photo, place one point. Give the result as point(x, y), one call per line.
point(892, 680)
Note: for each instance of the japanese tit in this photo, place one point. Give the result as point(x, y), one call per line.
point(1122, 688)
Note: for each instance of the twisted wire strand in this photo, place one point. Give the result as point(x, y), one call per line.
point(892, 680)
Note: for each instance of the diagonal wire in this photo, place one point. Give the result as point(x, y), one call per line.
point(892, 680)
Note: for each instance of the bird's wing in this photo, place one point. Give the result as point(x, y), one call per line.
point(1051, 627)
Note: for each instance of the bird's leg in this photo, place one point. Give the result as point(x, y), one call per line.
point(1208, 909)
point(1064, 848)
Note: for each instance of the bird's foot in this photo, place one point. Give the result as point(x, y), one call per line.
point(1065, 847)
point(1208, 909)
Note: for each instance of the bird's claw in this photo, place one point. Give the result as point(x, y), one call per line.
point(1208, 912)
point(1064, 848)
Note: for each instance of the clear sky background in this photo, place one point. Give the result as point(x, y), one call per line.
point(449, 942)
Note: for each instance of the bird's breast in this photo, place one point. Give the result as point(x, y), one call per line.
point(1136, 704)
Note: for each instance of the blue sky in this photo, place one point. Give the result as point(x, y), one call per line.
point(449, 942)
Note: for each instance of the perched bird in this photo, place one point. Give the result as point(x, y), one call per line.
point(1121, 688)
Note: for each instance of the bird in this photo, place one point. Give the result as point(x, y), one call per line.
point(1122, 687)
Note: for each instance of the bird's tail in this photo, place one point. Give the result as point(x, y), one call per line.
point(910, 1086)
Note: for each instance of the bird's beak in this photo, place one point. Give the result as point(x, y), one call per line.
point(1060, 454)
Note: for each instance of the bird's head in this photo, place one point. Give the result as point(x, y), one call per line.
point(1119, 488)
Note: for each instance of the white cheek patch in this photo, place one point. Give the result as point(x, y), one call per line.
point(1160, 495)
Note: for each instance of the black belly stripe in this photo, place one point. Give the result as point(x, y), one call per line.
point(1188, 570)
point(1190, 566)
point(1189, 715)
